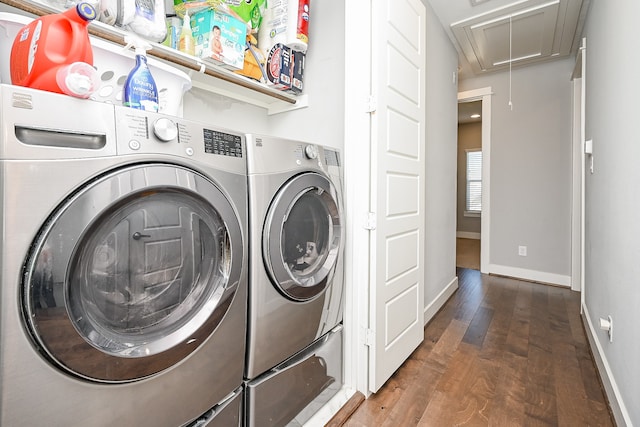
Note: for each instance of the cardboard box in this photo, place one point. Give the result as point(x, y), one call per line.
point(219, 38)
point(279, 67)
point(285, 68)
point(298, 72)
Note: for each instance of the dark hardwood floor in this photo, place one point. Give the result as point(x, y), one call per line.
point(501, 352)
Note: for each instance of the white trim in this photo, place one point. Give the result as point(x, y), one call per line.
point(474, 94)
point(578, 173)
point(618, 408)
point(533, 275)
point(468, 235)
point(484, 94)
point(356, 155)
point(577, 178)
point(440, 300)
point(583, 135)
point(332, 407)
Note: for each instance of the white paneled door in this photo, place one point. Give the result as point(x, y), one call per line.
point(398, 185)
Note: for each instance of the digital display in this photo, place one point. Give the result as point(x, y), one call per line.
point(221, 143)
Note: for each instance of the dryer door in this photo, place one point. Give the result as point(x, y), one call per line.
point(133, 272)
point(302, 236)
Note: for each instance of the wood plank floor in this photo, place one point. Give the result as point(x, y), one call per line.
point(501, 352)
point(468, 253)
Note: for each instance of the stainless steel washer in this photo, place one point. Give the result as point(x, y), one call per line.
point(124, 265)
point(296, 279)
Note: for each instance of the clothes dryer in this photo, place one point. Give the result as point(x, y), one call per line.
point(296, 278)
point(124, 265)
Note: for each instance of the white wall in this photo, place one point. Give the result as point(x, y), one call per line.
point(441, 154)
point(612, 270)
point(531, 171)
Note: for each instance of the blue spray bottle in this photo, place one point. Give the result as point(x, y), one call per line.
point(140, 90)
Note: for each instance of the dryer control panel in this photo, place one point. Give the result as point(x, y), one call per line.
point(226, 144)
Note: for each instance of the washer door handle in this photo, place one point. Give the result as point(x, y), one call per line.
point(137, 235)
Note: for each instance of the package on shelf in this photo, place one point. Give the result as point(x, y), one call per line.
point(298, 72)
point(219, 37)
point(144, 17)
point(285, 68)
point(285, 22)
point(254, 61)
point(249, 11)
point(181, 7)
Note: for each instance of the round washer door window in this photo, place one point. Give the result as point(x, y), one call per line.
point(133, 272)
point(302, 236)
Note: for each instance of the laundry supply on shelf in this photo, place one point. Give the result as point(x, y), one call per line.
point(78, 79)
point(285, 22)
point(186, 43)
point(140, 90)
point(50, 43)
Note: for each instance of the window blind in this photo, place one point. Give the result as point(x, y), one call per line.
point(474, 181)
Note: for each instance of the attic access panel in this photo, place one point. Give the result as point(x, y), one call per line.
point(540, 30)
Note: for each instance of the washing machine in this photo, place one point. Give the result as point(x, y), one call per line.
point(296, 279)
point(124, 266)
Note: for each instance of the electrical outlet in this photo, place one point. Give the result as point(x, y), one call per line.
point(607, 325)
point(522, 250)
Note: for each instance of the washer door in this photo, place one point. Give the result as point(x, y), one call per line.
point(302, 236)
point(133, 272)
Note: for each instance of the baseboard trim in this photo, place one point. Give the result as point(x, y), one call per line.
point(616, 404)
point(532, 275)
point(435, 305)
point(467, 235)
point(347, 410)
point(332, 408)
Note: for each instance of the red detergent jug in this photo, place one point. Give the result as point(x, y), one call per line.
point(48, 43)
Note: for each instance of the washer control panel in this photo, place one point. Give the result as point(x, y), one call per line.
point(145, 132)
point(165, 129)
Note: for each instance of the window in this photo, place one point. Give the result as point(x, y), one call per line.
point(474, 182)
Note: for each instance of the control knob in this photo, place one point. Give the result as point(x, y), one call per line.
point(165, 130)
point(311, 151)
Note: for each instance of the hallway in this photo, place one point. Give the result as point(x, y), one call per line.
point(501, 352)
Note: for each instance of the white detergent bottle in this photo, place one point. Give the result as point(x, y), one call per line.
point(140, 90)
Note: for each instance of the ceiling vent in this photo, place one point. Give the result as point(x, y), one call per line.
point(521, 33)
point(477, 2)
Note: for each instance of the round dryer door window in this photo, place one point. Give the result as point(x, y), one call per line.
point(302, 236)
point(133, 272)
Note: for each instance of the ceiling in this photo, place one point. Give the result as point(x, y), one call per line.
point(492, 35)
point(468, 109)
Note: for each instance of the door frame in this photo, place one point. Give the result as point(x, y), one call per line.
point(484, 95)
point(357, 167)
point(579, 158)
